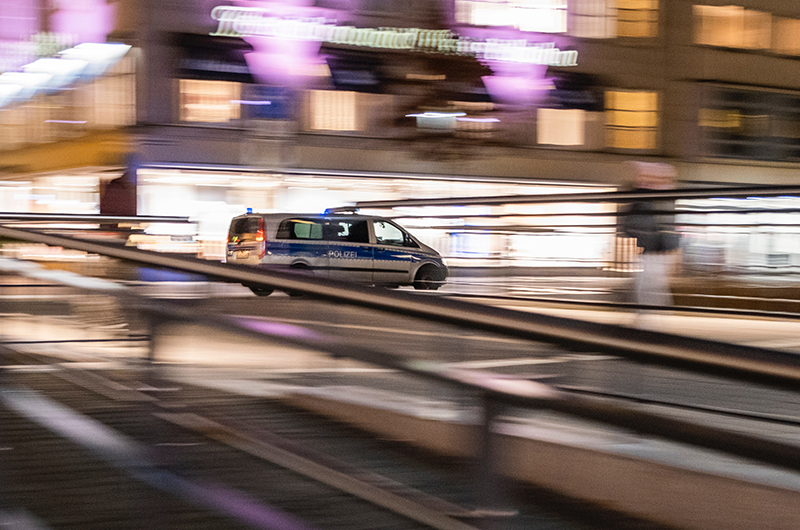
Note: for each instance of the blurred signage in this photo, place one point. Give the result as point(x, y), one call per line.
point(15, 54)
point(48, 44)
point(247, 21)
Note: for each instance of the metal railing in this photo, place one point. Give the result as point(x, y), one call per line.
point(745, 363)
point(750, 364)
point(742, 362)
point(589, 197)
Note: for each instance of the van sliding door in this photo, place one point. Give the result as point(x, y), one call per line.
point(349, 250)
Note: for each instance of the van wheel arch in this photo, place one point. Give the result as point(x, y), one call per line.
point(428, 278)
point(298, 267)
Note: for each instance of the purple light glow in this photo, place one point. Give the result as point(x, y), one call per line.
point(19, 19)
point(517, 89)
point(285, 61)
point(479, 120)
point(89, 20)
point(514, 83)
point(278, 330)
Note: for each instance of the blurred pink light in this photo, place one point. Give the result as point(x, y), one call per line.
point(284, 61)
point(516, 89)
point(479, 120)
point(89, 20)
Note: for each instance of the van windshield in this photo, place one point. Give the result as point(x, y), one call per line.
point(244, 229)
point(388, 234)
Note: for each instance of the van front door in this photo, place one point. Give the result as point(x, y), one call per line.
point(350, 253)
point(392, 264)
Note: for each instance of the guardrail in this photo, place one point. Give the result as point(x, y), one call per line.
point(519, 226)
point(497, 392)
point(742, 362)
point(590, 197)
point(89, 218)
point(771, 367)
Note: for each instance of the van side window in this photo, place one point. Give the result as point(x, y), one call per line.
point(348, 230)
point(388, 234)
point(299, 229)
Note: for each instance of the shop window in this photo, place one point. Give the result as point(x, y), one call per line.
point(732, 27)
point(114, 96)
point(541, 16)
point(751, 124)
point(786, 36)
point(560, 127)
point(637, 18)
point(595, 19)
point(631, 119)
point(333, 110)
point(209, 101)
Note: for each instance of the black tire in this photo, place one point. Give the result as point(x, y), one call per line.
point(428, 279)
point(261, 291)
point(303, 269)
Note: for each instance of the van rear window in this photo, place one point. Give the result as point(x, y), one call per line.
point(244, 229)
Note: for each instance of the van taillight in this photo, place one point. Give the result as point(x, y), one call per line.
point(260, 238)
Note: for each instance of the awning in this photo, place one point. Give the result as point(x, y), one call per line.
point(213, 58)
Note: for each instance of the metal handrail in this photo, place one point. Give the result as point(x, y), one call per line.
point(590, 197)
point(495, 388)
point(89, 218)
point(746, 363)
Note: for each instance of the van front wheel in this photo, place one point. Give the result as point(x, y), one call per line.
point(428, 278)
point(300, 268)
point(261, 291)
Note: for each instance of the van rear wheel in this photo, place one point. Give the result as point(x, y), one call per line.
point(428, 279)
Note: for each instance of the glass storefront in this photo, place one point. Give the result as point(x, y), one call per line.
point(524, 235)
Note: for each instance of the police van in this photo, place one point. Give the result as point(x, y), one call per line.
point(363, 248)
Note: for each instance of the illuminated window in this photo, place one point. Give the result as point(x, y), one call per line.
point(786, 36)
point(631, 119)
point(114, 96)
point(595, 19)
point(333, 110)
point(209, 101)
point(542, 16)
point(561, 126)
point(637, 18)
point(732, 27)
point(751, 124)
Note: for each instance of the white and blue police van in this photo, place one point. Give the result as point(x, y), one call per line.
point(345, 246)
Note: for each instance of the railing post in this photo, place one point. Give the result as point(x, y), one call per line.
point(6, 471)
point(492, 504)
